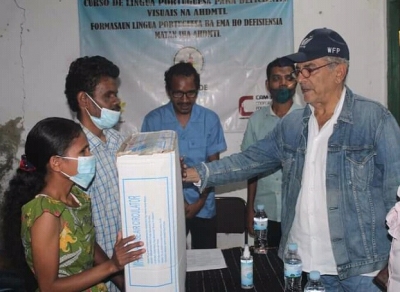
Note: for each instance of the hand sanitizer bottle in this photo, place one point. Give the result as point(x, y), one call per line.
point(246, 268)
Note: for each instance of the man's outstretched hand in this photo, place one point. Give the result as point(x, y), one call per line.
point(188, 174)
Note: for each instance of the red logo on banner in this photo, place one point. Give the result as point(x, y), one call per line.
point(246, 106)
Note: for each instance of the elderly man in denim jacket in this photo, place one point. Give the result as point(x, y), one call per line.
point(341, 169)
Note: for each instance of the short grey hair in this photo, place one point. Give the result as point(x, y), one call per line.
point(338, 60)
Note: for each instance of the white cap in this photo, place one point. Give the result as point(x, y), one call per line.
point(315, 275)
point(260, 207)
point(292, 246)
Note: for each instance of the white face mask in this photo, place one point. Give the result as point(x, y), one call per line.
point(86, 170)
point(108, 118)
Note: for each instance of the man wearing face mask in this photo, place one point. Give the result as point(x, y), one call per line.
point(266, 190)
point(91, 89)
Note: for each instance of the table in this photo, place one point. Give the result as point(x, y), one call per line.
point(267, 274)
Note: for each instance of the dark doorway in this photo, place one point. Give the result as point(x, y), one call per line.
point(393, 76)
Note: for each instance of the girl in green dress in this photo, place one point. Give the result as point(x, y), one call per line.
point(45, 207)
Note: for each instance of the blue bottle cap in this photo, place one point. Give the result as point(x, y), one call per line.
point(292, 246)
point(260, 207)
point(315, 275)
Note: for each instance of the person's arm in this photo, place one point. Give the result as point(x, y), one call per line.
point(387, 158)
point(100, 257)
point(45, 234)
point(145, 125)
point(382, 278)
point(263, 157)
point(251, 194)
point(192, 209)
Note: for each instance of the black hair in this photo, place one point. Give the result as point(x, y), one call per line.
point(84, 74)
point(279, 62)
point(49, 137)
point(183, 69)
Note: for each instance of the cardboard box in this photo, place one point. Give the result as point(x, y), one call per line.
point(152, 208)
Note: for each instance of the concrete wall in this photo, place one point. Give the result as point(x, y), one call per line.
point(39, 39)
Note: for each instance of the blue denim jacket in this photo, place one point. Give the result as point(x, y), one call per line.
point(362, 177)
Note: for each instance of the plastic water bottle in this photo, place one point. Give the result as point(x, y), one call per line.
point(246, 268)
point(293, 268)
point(314, 284)
point(260, 229)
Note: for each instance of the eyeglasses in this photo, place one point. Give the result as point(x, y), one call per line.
point(180, 94)
point(306, 71)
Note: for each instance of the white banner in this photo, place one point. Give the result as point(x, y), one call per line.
point(230, 43)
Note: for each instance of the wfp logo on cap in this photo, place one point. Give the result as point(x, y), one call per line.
point(333, 50)
point(305, 41)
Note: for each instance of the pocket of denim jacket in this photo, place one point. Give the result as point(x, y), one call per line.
point(359, 167)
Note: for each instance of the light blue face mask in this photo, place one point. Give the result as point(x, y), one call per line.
point(86, 170)
point(108, 118)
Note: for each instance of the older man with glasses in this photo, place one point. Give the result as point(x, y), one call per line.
point(341, 169)
point(201, 139)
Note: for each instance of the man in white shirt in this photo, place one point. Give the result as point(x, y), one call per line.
point(340, 169)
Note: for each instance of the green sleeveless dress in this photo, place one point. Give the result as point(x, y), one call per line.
point(77, 236)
